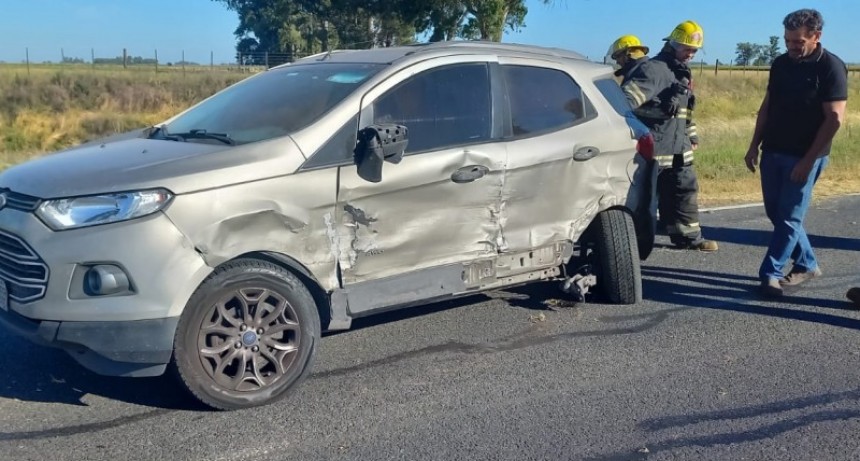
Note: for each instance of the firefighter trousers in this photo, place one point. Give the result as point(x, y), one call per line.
point(678, 202)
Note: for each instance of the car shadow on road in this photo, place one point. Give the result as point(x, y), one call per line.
point(539, 296)
point(41, 374)
point(758, 237)
point(737, 293)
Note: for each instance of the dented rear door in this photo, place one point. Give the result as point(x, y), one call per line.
point(560, 165)
point(440, 204)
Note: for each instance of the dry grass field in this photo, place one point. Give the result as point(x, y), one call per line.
point(725, 114)
point(44, 108)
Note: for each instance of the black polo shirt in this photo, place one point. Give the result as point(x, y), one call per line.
point(796, 91)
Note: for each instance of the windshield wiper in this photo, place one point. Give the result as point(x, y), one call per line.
point(197, 133)
point(200, 133)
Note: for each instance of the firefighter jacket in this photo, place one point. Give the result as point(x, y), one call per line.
point(660, 93)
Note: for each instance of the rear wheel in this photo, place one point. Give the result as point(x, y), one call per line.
point(247, 336)
point(616, 257)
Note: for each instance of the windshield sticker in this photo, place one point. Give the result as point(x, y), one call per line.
point(347, 77)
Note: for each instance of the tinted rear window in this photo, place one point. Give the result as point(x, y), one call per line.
point(543, 99)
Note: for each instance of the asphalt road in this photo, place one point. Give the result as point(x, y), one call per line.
point(703, 369)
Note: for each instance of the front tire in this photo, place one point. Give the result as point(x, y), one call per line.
point(247, 336)
point(618, 271)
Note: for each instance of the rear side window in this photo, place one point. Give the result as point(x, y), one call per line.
point(441, 108)
point(544, 99)
point(610, 90)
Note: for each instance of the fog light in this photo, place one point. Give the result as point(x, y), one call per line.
point(106, 280)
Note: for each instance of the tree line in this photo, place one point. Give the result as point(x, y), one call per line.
point(304, 27)
point(752, 54)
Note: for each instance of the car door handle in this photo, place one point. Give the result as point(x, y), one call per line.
point(469, 173)
point(585, 153)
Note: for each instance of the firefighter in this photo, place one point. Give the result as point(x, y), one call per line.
point(628, 52)
point(660, 92)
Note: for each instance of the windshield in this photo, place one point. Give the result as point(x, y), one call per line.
point(274, 103)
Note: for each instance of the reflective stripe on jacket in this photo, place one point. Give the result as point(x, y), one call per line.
point(665, 161)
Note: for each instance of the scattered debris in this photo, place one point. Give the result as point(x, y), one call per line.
point(577, 286)
point(556, 304)
point(540, 317)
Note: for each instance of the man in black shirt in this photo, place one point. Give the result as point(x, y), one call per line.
point(801, 112)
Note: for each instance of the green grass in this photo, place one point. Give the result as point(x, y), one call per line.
point(725, 114)
point(49, 107)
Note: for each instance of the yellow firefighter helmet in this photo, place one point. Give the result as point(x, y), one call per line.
point(624, 43)
point(688, 33)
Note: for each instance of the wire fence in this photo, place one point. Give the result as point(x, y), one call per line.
point(240, 62)
point(257, 61)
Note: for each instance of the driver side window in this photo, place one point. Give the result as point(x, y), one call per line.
point(442, 107)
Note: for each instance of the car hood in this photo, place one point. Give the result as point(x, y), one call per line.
point(134, 164)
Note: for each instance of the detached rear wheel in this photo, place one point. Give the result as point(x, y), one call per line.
point(247, 336)
point(619, 275)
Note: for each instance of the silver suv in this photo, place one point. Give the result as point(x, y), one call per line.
point(218, 245)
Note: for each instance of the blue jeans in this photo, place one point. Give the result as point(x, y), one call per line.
point(786, 203)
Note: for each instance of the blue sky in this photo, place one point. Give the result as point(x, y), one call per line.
point(201, 27)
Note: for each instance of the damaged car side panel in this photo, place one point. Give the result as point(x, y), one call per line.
point(396, 225)
point(439, 204)
point(287, 215)
point(563, 169)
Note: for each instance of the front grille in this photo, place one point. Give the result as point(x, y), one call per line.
point(24, 272)
point(21, 202)
point(18, 201)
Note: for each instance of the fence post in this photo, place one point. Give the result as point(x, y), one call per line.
point(183, 63)
point(716, 67)
point(124, 58)
point(93, 57)
point(156, 61)
point(62, 56)
point(267, 59)
point(27, 59)
point(211, 60)
point(702, 67)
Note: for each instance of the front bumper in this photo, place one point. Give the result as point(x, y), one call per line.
point(128, 334)
point(163, 266)
point(133, 349)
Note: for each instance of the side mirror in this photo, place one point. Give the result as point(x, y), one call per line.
point(378, 144)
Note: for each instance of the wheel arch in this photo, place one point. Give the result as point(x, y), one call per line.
point(321, 297)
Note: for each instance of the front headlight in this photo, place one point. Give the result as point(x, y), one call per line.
point(74, 212)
